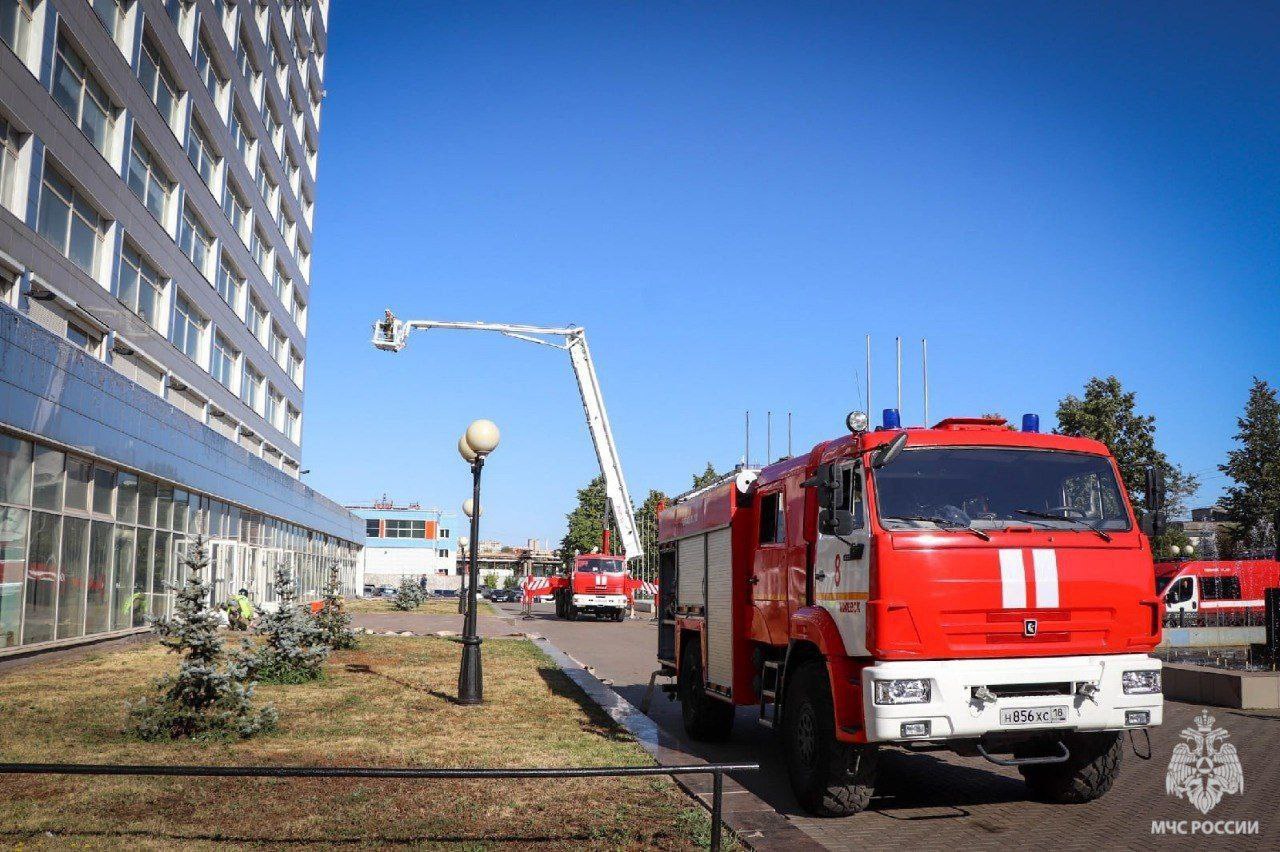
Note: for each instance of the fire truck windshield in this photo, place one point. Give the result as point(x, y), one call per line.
point(994, 487)
point(599, 566)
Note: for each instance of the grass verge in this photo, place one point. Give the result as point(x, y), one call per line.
point(388, 703)
point(433, 606)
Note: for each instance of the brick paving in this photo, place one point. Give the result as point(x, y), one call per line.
point(942, 801)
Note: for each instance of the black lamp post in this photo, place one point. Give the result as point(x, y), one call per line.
point(462, 593)
point(481, 438)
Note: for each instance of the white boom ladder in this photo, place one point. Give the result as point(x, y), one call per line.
point(391, 334)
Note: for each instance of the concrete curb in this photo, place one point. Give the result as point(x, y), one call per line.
point(755, 823)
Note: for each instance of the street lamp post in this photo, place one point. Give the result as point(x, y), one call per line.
point(481, 438)
point(462, 593)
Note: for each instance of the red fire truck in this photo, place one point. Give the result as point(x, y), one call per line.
point(598, 585)
point(965, 587)
point(1226, 590)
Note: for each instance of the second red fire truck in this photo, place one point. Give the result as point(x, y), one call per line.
point(965, 587)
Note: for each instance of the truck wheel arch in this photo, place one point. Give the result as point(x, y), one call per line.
point(822, 640)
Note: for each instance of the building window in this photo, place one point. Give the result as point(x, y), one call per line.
point(260, 251)
point(300, 313)
point(67, 220)
point(282, 284)
point(195, 241)
point(273, 125)
point(111, 13)
point(239, 135)
point(82, 96)
point(443, 554)
point(228, 283)
point(158, 82)
point(82, 339)
point(201, 153)
point(188, 328)
point(244, 61)
point(255, 317)
point(222, 361)
point(10, 144)
point(274, 405)
point(277, 346)
point(213, 82)
point(15, 23)
point(304, 262)
point(291, 423)
point(251, 386)
point(442, 534)
point(406, 529)
point(295, 366)
point(371, 528)
point(236, 209)
point(147, 181)
point(139, 286)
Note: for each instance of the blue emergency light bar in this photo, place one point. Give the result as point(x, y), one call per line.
point(1031, 423)
point(892, 420)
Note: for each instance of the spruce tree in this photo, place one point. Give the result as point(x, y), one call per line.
point(409, 596)
point(334, 622)
point(211, 693)
point(1252, 503)
point(294, 649)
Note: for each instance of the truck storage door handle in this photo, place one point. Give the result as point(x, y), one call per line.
point(821, 575)
point(753, 579)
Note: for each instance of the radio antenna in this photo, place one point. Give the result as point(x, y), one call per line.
point(898, 343)
point(868, 377)
point(924, 362)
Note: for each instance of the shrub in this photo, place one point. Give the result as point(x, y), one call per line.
point(294, 649)
point(410, 595)
point(211, 693)
point(333, 620)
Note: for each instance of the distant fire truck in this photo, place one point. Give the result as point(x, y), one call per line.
point(965, 587)
point(1223, 590)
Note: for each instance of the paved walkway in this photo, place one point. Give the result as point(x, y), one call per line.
point(941, 801)
point(422, 624)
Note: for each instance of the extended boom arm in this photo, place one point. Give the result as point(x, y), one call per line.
point(390, 334)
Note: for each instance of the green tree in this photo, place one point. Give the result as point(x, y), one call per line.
point(1254, 466)
point(333, 619)
point(490, 581)
point(707, 477)
point(293, 650)
point(1108, 413)
point(586, 521)
point(211, 693)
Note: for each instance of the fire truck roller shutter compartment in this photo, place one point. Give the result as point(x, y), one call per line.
point(719, 569)
point(692, 571)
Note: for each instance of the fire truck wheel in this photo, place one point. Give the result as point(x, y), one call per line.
point(705, 718)
point(571, 612)
point(828, 777)
point(1087, 775)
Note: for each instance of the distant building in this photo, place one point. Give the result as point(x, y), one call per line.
point(502, 561)
point(1202, 529)
point(408, 541)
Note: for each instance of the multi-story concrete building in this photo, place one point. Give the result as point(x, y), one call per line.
point(408, 541)
point(157, 185)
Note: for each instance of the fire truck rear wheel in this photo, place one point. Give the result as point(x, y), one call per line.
point(1087, 775)
point(705, 718)
point(829, 778)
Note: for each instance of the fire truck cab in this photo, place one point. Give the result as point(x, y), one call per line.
point(596, 585)
point(965, 587)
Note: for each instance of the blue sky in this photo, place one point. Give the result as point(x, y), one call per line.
point(729, 196)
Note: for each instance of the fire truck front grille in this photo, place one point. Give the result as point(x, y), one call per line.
point(1029, 690)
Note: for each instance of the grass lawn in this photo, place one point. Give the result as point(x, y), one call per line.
point(387, 703)
point(433, 606)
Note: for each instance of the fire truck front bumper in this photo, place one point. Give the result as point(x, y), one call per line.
point(949, 699)
point(600, 601)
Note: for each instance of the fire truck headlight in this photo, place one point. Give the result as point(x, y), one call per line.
point(1141, 682)
point(911, 691)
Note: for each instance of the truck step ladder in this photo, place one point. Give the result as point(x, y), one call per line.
point(769, 684)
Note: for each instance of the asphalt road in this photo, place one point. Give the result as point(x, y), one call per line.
point(942, 801)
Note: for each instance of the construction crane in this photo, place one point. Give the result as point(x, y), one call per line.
point(391, 335)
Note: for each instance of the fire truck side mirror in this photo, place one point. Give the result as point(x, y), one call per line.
point(889, 451)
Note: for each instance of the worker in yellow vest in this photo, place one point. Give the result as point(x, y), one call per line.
point(239, 611)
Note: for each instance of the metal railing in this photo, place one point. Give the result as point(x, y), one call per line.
point(716, 770)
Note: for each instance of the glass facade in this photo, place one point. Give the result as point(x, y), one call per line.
point(87, 548)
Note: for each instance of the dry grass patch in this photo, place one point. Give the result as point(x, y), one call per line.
point(387, 704)
point(432, 606)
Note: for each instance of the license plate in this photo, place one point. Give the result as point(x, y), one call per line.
point(1033, 716)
